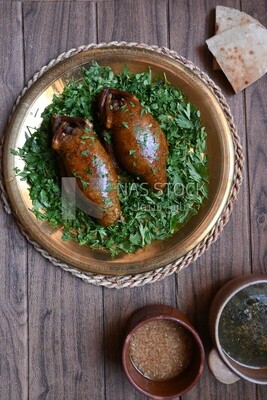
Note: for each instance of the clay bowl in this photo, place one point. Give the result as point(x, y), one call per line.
point(226, 361)
point(167, 387)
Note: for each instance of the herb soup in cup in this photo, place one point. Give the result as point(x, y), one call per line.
point(238, 325)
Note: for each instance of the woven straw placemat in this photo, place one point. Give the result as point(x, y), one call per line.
point(160, 273)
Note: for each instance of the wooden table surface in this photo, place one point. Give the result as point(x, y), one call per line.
point(59, 336)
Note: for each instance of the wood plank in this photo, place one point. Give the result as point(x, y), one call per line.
point(126, 20)
point(65, 327)
point(66, 315)
point(73, 350)
point(215, 266)
point(11, 78)
point(256, 111)
point(133, 21)
point(69, 25)
point(257, 145)
point(13, 246)
point(80, 1)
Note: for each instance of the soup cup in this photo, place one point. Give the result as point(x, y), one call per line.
point(238, 326)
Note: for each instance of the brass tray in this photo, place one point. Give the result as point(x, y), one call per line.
point(220, 150)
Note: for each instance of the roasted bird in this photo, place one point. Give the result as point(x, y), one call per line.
point(138, 143)
point(84, 157)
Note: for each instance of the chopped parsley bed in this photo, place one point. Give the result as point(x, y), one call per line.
point(147, 215)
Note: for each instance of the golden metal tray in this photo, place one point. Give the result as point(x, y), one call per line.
point(220, 150)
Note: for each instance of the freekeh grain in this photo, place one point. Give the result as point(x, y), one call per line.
point(161, 349)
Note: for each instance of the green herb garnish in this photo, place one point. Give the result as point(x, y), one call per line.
point(147, 215)
point(125, 124)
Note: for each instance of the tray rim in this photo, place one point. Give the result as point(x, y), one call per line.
point(211, 236)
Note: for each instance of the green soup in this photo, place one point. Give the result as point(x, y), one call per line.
point(243, 326)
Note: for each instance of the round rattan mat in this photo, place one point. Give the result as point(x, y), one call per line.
point(160, 273)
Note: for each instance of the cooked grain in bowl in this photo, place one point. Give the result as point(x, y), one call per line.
point(161, 349)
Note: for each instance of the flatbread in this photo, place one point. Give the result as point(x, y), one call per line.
point(241, 52)
point(227, 18)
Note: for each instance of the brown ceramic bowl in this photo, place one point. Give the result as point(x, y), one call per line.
point(226, 364)
point(179, 384)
